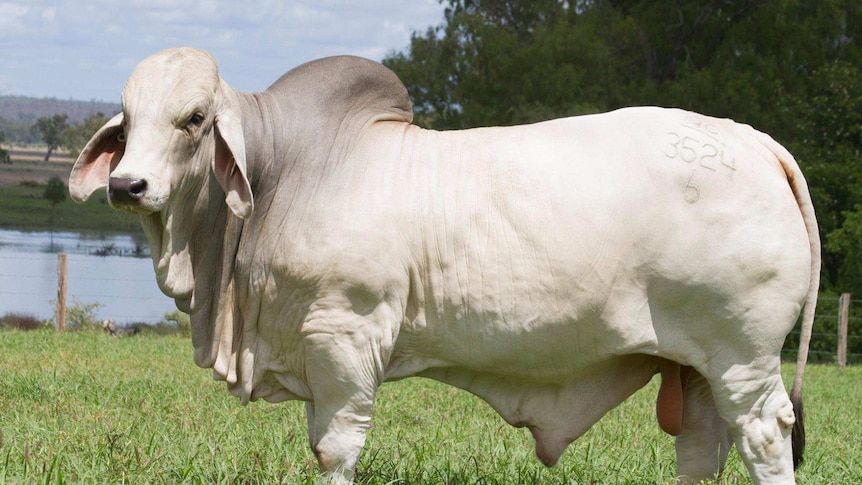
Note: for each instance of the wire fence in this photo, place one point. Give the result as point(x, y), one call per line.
point(825, 333)
point(124, 288)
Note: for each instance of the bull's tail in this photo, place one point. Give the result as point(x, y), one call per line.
point(803, 199)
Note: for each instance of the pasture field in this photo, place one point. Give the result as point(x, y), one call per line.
point(83, 407)
point(27, 165)
point(23, 206)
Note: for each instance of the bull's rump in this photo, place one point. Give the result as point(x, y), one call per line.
point(551, 246)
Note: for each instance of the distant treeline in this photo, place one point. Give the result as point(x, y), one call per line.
point(19, 113)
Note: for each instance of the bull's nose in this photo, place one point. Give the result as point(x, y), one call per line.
point(126, 191)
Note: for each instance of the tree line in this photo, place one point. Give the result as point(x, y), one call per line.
point(792, 69)
point(28, 121)
point(56, 132)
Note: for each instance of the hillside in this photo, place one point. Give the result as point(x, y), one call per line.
point(18, 113)
point(22, 108)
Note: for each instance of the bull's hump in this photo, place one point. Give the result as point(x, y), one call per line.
point(335, 86)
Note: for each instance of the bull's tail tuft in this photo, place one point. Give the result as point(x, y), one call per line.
point(797, 436)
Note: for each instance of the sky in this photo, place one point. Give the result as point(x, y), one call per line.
point(86, 49)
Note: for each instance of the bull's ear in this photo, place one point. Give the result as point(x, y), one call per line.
point(229, 164)
point(101, 155)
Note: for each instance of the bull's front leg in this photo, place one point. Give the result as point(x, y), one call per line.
point(344, 369)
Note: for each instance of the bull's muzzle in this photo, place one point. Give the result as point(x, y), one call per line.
point(126, 191)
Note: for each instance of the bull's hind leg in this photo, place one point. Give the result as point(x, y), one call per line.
point(702, 447)
point(753, 402)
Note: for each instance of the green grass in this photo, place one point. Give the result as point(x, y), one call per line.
point(23, 207)
point(83, 407)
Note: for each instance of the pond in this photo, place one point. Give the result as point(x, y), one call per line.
point(113, 270)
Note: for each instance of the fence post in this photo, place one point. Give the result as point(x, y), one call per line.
point(61, 292)
point(843, 318)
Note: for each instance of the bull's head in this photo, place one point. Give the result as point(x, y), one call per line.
point(179, 122)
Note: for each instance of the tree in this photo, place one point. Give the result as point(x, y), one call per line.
point(55, 192)
point(829, 141)
point(53, 131)
point(79, 134)
point(4, 155)
point(505, 62)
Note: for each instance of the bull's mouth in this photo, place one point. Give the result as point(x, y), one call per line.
point(143, 208)
point(133, 209)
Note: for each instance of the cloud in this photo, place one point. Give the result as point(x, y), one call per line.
point(12, 19)
point(87, 48)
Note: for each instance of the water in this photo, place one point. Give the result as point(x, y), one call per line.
point(112, 270)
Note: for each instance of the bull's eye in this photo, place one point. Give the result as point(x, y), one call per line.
point(196, 120)
point(121, 137)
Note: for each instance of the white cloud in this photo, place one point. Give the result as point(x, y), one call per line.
point(12, 10)
point(176, 4)
point(92, 46)
point(12, 19)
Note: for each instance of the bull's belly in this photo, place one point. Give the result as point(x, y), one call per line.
point(540, 346)
point(550, 329)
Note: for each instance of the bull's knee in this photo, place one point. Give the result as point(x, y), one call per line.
point(336, 466)
point(760, 416)
point(337, 447)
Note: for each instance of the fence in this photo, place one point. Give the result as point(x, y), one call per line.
point(837, 333)
point(836, 336)
point(124, 288)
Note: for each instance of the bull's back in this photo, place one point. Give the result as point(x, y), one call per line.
point(545, 245)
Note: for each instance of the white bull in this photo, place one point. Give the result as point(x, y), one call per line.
point(324, 245)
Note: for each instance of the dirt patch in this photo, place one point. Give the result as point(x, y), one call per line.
point(37, 155)
point(28, 165)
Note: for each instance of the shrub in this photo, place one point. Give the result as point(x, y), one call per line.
point(173, 323)
point(181, 321)
point(20, 321)
point(82, 316)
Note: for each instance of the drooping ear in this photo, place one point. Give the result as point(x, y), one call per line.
point(229, 164)
point(98, 158)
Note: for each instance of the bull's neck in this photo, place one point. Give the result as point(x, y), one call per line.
point(261, 122)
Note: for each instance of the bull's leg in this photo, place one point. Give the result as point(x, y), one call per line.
point(753, 402)
point(343, 383)
point(702, 447)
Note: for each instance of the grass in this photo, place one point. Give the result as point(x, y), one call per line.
point(83, 407)
point(23, 207)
